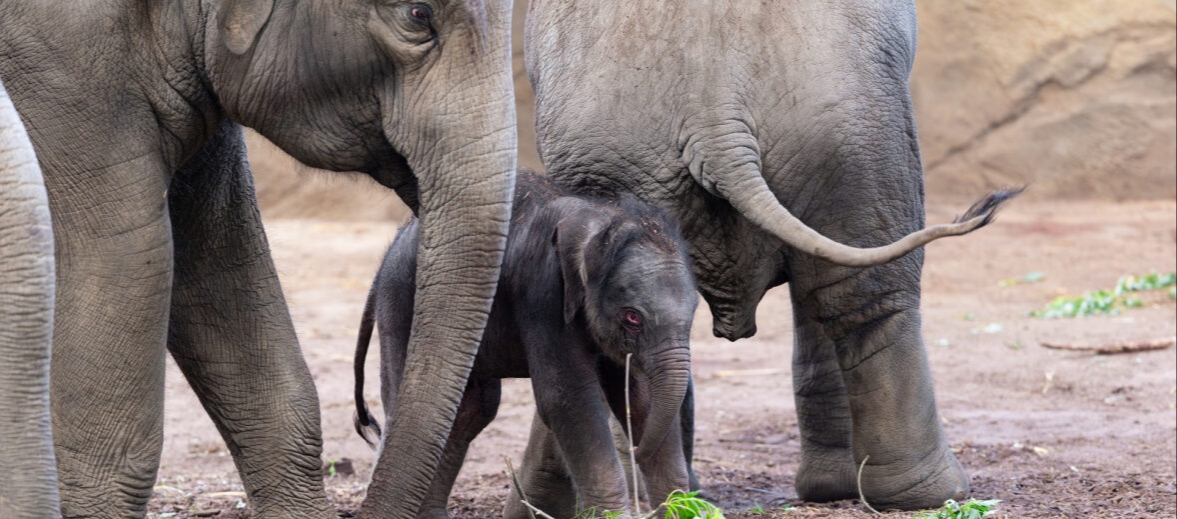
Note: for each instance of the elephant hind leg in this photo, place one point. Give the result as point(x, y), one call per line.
point(479, 405)
point(544, 476)
point(827, 471)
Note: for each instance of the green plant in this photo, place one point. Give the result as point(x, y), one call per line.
point(971, 509)
point(756, 509)
point(1151, 281)
point(688, 505)
point(1108, 301)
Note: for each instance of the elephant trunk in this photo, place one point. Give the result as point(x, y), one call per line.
point(733, 173)
point(669, 372)
point(28, 485)
point(459, 140)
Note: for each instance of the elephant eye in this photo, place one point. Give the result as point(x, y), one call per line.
point(422, 14)
point(631, 319)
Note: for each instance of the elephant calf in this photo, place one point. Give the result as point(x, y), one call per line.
point(584, 283)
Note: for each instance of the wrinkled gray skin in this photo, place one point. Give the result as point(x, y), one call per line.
point(135, 110)
point(28, 487)
point(575, 270)
point(744, 119)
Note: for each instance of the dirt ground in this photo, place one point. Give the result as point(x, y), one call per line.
point(1050, 433)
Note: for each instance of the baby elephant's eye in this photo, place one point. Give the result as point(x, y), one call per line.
point(421, 13)
point(632, 318)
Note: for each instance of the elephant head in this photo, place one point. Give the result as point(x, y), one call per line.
point(626, 274)
point(419, 95)
point(29, 487)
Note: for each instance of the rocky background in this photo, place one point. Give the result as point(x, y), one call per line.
point(1076, 97)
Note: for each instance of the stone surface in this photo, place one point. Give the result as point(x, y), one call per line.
point(1078, 98)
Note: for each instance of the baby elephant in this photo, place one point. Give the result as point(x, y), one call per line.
point(584, 282)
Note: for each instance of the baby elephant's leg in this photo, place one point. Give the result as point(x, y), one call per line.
point(479, 405)
point(544, 477)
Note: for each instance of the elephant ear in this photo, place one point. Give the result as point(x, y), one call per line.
point(575, 231)
point(240, 20)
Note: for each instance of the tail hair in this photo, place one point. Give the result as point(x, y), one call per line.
point(367, 426)
point(988, 205)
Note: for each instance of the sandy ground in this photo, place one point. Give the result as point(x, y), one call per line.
point(1051, 433)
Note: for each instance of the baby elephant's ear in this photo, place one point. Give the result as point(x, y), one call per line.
point(573, 233)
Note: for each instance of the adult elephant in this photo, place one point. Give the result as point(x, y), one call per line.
point(745, 119)
point(29, 487)
point(135, 110)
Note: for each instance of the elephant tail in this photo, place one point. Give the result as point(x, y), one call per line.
point(732, 172)
point(366, 425)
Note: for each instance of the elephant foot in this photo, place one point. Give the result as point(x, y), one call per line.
point(901, 485)
point(829, 477)
point(924, 484)
point(433, 513)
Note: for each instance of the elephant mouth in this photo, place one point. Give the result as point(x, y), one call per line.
point(734, 333)
point(732, 324)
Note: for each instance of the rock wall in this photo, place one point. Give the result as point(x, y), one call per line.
point(1076, 97)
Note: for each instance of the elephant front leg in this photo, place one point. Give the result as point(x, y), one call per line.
point(231, 334)
point(114, 274)
point(570, 402)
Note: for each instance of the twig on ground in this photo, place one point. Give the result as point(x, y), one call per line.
point(531, 510)
point(1115, 347)
point(761, 490)
point(860, 494)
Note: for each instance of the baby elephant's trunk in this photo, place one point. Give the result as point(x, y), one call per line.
point(669, 373)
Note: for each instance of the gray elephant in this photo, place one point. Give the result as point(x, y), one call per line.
point(781, 135)
point(135, 110)
point(28, 488)
point(584, 282)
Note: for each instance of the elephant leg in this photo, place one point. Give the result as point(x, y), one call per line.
point(231, 333)
point(28, 483)
point(114, 277)
point(863, 326)
point(544, 477)
point(479, 405)
point(568, 396)
point(827, 471)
